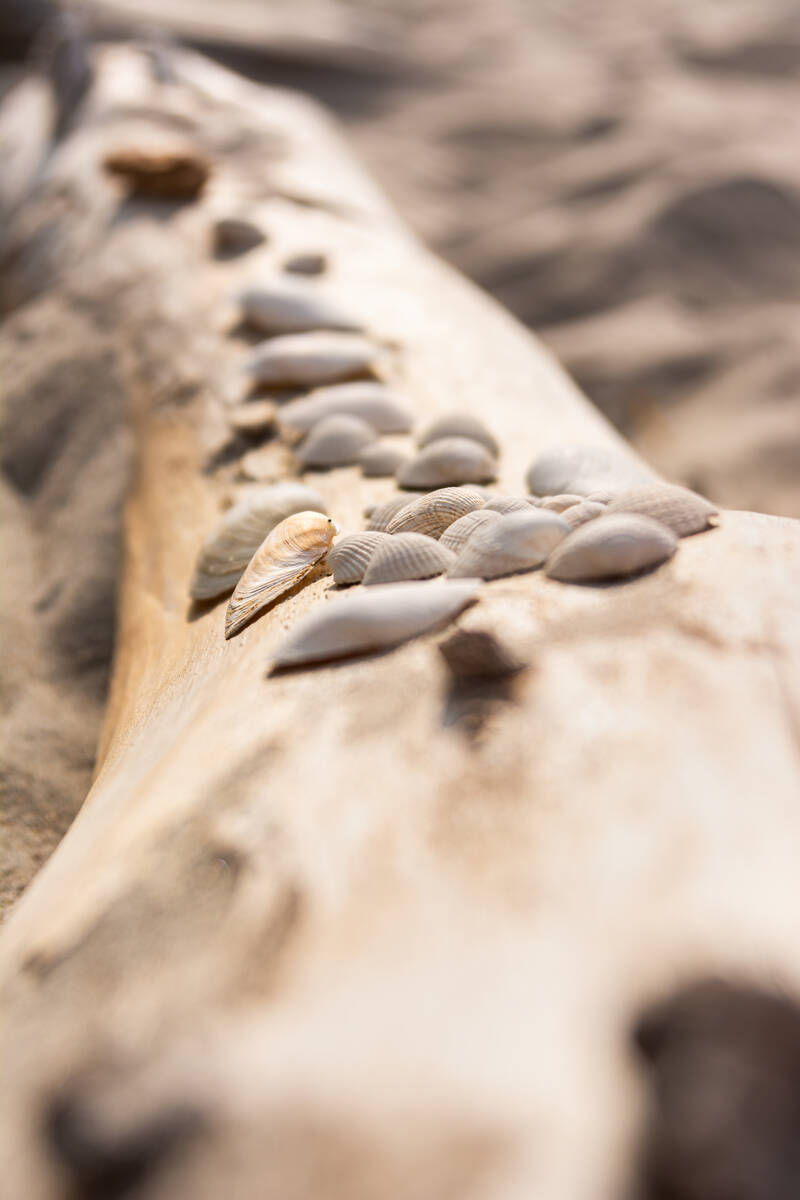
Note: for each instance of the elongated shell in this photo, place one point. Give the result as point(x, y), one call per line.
point(311, 359)
point(371, 402)
point(228, 550)
point(519, 542)
point(252, 417)
point(579, 514)
point(306, 264)
point(349, 558)
point(475, 654)
point(375, 619)
point(431, 514)
point(681, 510)
point(293, 308)
point(287, 554)
point(559, 503)
point(507, 504)
point(335, 442)
point(459, 424)
point(611, 547)
point(456, 536)
point(407, 556)
point(583, 469)
point(449, 461)
point(381, 515)
point(381, 460)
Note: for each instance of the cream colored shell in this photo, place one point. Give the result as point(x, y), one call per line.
point(507, 504)
point(380, 517)
point(579, 514)
point(431, 514)
point(520, 541)
point(559, 503)
point(456, 536)
point(294, 307)
point(381, 460)
point(312, 359)
point(459, 424)
point(584, 469)
point(369, 400)
point(611, 547)
point(407, 556)
point(451, 460)
point(349, 557)
point(681, 510)
point(335, 442)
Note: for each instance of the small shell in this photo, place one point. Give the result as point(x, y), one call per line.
point(293, 308)
point(507, 504)
point(473, 654)
point(458, 424)
point(335, 442)
point(306, 264)
point(381, 460)
point(159, 172)
point(579, 514)
point(349, 558)
point(604, 495)
point(518, 542)
point(311, 359)
point(228, 550)
point(431, 514)
point(374, 619)
point(559, 503)
point(236, 235)
point(381, 515)
point(407, 556)
point(584, 469)
point(287, 554)
point(456, 536)
point(372, 402)
point(611, 547)
point(682, 511)
point(449, 461)
point(253, 417)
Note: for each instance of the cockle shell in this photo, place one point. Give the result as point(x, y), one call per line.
point(287, 554)
point(517, 542)
point(559, 503)
point(459, 424)
point(371, 402)
point(579, 514)
point(252, 417)
point(451, 460)
point(507, 504)
point(681, 510)
point(306, 264)
point(293, 308)
point(456, 536)
point(381, 460)
point(375, 619)
point(381, 515)
point(236, 235)
point(349, 557)
point(474, 654)
point(228, 550)
point(431, 514)
point(611, 547)
point(584, 469)
point(407, 556)
point(311, 359)
point(335, 442)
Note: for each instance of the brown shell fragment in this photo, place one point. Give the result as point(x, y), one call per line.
point(460, 424)
point(456, 536)
point(611, 547)
point(431, 514)
point(451, 460)
point(349, 558)
point(407, 556)
point(681, 510)
point(163, 174)
point(476, 654)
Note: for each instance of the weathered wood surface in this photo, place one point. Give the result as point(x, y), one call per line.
point(345, 932)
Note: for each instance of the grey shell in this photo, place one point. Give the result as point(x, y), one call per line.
point(451, 460)
point(681, 510)
point(381, 460)
point(306, 264)
point(381, 515)
point(458, 424)
point(293, 308)
point(584, 469)
point(312, 359)
point(407, 556)
point(475, 654)
point(335, 442)
point(349, 557)
point(372, 402)
point(507, 504)
point(579, 514)
point(611, 547)
point(433, 513)
point(518, 542)
point(236, 235)
point(456, 536)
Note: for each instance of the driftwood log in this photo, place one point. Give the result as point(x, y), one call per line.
point(353, 931)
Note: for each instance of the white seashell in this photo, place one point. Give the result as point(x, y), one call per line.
point(604, 495)
point(431, 514)
point(349, 557)
point(375, 619)
point(236, 235)
point(475, 654)
point(517, 542)
point(458, 424)
point(579, 514)
point(456, 536)
point(381, 515)
point(507, 504)
point(371, 402)
point(449, 461)
point(335, 442)
point(407, 556)
point(681, 510)
point(380, 460)
point(311, 359)
point(288, 553)
point(293, 308)
point(306, 264)
point(559, 503)
point(253, 417)
point(611, 547)
point(584, 469)
point(228, 550)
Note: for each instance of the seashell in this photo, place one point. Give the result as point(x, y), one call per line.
point(236, 235)
point(431, 514)
point(681, 510)
point(293, 308)
point(375, 619)
point(381, 515)
point(407, 556)
point(455, 537)
point(604, 495)
point(380, 460)
point(349, 558)
point(579, 514)
point(507, 504)
point(372, 402)
point(252, 417)
point(582, 470)
point(473, 654)
point(288, 553)
point(159, 173)
point(559, 503)
point(335, 442)
point(449, 461)
point(458, 424)
point(517, 542)
point(306, 264)
point(228, 550)
point(610, 547)
point(310, 359)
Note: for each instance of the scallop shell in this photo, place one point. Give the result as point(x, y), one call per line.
point(228, 550)
point(459, 424)
point(371, 402)
point(559, 503)
point(335, 442)
point(584, 469)
point(449, 461)
point(681, 510)
point(236, 235)
point(293, 308)
point(381, 460)
point(407, 556)
point(473, 654)
point(507, 504)
point(431, 514)
point(611, 547)
point(456, 536)
point(349, 558)
point(311, 359)
point(381, 515)
point(375, 619)
point(518, 542)
point(253, 417)
point(287, 554)
point(579, 514)
point(306, 264)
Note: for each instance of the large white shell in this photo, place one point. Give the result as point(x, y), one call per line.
point(579, 514)
point(293, 308)
point(456, 536)
point(381, 515)
point(228, 550)
point(681, 510)
point(374, 619)
point(431, 514)
point(584, 469)
point(520, 541)
point(459, 424)
point(335, 442)
point(611, 547)
point(349, 557)
point(381, 459)
point(407, 556)
point(312, 359)
point(372, 402)
point(287, 554)
point(451, 460)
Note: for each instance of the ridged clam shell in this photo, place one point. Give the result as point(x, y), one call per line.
point(374, 619)
point(255, 416)
point(287, 554)
point(579, 514)
point(456, 536)
point(371, 402)
point(228, 550)
point(381, 460)
point(518, 542)
point(236, 235)
point(507, 504)
point(559, 503)
point(311, 359)
point(431, 514)
point(293, 308)
point(473, 654)
point(407, 556)
point(459, 424)
point(381, 515)
point(349, 558)
point(582, 470)
point(681, 510)
point(451, 460)
point(335, 442)
point(611, 547)
point(306, 264)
